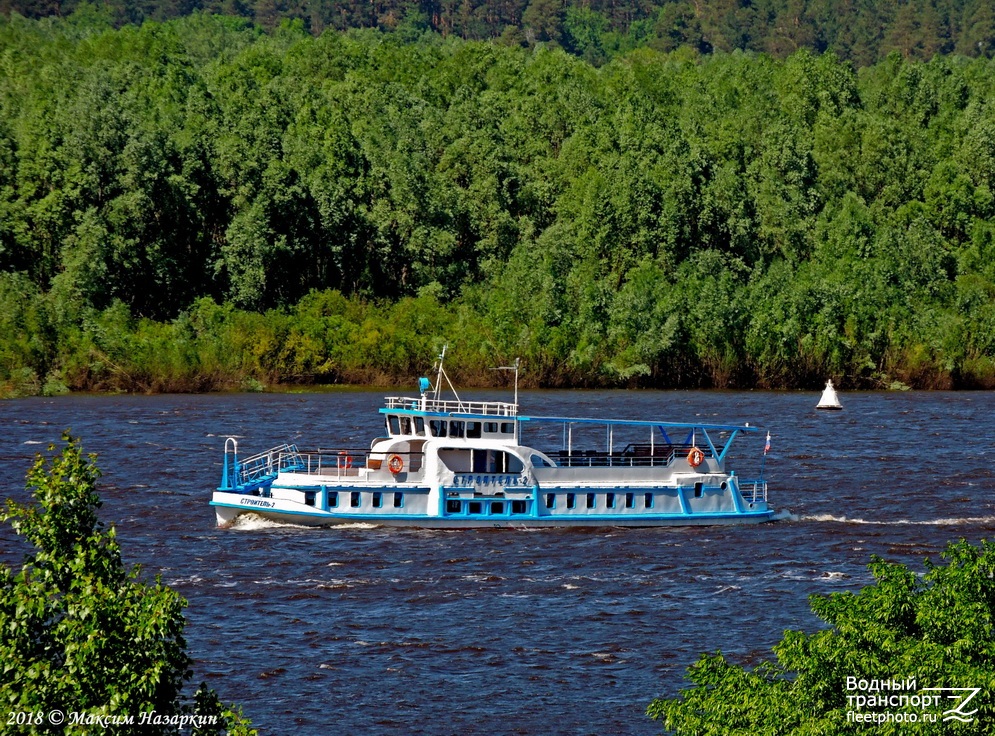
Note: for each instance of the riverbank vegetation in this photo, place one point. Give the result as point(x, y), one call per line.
point(197, 204)
point(908, 654)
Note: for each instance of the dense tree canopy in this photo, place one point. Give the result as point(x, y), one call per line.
point(668, 218)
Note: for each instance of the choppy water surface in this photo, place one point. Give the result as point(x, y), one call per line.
point(378, 631)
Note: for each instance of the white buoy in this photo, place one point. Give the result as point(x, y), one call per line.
point(829, 398)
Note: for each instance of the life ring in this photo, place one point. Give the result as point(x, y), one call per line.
point(345, 460)
point(696, 457)
point(395, 464)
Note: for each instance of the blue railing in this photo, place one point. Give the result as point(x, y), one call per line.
point(257, 470)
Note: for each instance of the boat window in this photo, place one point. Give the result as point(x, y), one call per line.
point(491, 427)
point(497, 507)
point(393, 427)
point(405, 425)
point(507, 428)
point(333, 499)
point(456, 429)
point(698, 489)
point(550, 500)
point(648, 501)
point(473, 430)
point(454, 507)
point(354, 499)
point(458, 461)
point(438, 427)
point(398, 500)
point(590, 500)
point(571, 501)
point(610, 500)
point(474, 507)
point(518, 507)
point(309, 498)
point(419, 426)
point(512, 463)
point(539, 462)
point(630, 500)
point(377, 500)
point(480, 461)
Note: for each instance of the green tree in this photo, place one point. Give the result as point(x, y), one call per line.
point(935, 629)
point(79, 633)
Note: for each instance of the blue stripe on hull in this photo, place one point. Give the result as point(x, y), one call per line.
point(424, 520)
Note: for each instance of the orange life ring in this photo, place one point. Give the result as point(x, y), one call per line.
point(395, 464)
point(696, 457)
point(345, 460)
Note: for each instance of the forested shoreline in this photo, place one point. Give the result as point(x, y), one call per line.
point(200, 205)
point(862, 31)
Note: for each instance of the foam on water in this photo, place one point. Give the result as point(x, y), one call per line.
point(957, 521)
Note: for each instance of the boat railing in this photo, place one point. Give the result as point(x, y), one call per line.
point(633, 456)
point(485, 408)
point(753, 490)
point(257, 468)
point(346, 463)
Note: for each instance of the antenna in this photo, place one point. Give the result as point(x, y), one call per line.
point(441, 373)
point(513, 368)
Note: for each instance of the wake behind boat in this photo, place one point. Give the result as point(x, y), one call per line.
point(448, 463)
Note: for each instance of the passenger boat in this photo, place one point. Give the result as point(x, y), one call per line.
point(450, 463)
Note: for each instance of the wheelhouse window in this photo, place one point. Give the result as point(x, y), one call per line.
point(393, 425)
point(491, 427)
point(438, 427)
point(405, 425)
point(457, 429)
point(473, 430)
point(507, 428)
point(420, 426)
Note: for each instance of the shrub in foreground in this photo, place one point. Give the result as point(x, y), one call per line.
point(85, 644)
point(936, 630)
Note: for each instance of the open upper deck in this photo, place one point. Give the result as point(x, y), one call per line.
point(457, 407)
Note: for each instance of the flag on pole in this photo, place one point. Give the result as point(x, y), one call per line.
point(767, 446)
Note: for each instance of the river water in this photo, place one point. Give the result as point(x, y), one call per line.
point(367, 630)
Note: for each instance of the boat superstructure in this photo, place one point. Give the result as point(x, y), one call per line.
point(450, 463)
